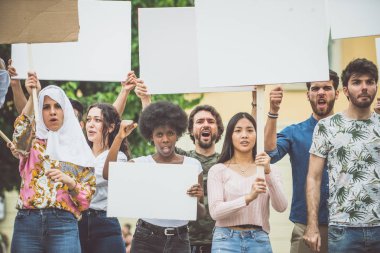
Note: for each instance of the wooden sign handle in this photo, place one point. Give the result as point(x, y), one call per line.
point(34, 90)
point(260, 122)
point(5, 138)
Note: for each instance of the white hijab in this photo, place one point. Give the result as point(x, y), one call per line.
point(68, 144)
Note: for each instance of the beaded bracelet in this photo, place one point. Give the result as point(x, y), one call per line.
point(273, 115)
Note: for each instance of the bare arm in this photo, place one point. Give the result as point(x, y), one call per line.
point(313, 185)
point(126, 128)
point(126, 87)
point(30, 83)
point(18, 95)
point(270, 136)
point(141, 91)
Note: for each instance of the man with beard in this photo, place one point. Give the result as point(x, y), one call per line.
point(350, 143)
point(295, 140)
point(205, 129)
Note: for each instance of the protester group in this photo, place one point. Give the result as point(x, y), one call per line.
point(64, 155)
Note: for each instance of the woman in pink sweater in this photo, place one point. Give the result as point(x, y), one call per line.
point(238, 198)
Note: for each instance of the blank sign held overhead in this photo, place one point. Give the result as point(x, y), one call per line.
point(245, 42)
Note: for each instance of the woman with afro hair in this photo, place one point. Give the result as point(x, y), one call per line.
point(161, 123)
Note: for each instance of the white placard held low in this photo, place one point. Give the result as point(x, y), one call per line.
point(148, 190)
point(354, 18)
point(168, 52)
point(378, 51)
point(103, 52)
point(261, 42)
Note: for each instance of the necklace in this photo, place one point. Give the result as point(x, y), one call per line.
point(241, 169)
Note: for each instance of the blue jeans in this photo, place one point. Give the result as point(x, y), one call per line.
point(237, 241)
point(100, 234)
point(45, 231)
point(354, 239)
point(147, 240)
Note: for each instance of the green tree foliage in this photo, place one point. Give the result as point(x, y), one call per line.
point(89, 93)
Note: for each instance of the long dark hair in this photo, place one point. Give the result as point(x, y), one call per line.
point(110, 117)
point(228, 148)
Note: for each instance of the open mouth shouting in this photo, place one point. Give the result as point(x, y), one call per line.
point(321, 104)
point(206, 135)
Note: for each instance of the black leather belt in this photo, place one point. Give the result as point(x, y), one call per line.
point(93, 212)
point(158, 230)
point(248, 226)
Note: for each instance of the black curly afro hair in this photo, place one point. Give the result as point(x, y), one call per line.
point(159, 114)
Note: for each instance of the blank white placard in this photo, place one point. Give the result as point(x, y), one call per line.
point(103, 52)
point(261, 41)
point(378, 51)
point(354, 18)
point(148, 190)
point(168, 52)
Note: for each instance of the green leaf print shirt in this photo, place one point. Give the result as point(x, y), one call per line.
point(352, 149)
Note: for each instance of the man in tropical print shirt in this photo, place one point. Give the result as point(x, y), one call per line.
point(350, 144)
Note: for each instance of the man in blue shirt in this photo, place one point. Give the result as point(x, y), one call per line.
point(296, 140)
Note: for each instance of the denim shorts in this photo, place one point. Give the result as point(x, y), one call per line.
point(354, 239)
point(247, 241)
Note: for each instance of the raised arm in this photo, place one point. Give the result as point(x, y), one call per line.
point(18, 95)
point(126, 87)
point(23, 133)
point(270, 137)
point(312, 235)
point(30, 83)
point(126, 128)
point(141, 91)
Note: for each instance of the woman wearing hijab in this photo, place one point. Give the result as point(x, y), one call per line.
point(238, 198)
point(57, 178)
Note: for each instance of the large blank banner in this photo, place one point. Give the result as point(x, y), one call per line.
point(244, 42)
point(103, 52)
point(354, 18)
point(38, 21)
point(168, 51)
point(147, 190)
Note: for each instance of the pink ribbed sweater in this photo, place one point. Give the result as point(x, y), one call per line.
point(226, 191)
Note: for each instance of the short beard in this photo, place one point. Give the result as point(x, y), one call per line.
point(330, 107)
point(358, 104)
point(206, 145)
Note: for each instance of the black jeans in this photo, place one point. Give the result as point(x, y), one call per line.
point(99, 233)
point(149, 238)
point(204, 248)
